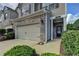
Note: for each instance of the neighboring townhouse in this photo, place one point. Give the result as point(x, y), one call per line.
point(40, 21)
point(8, 15)
point(1, 17)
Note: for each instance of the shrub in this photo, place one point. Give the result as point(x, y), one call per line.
point(50, 54)
point(2, 38)
point(70, 42)
point(71, 27)
point(21, 51)
point(76, 24)
point(10, 35)
point(2, 31)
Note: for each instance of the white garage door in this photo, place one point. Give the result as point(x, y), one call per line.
point(31, 32)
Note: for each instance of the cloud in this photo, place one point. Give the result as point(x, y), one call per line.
point(11, 5)
point(1, 7)
point(72, 18)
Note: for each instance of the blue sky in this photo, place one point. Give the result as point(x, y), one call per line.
point(72, 8)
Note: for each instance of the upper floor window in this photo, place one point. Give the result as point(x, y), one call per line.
point(5, 16)
point(53, 6)
point(56, 5)
point(26, 9)
point(37, 6)
point(29, 8)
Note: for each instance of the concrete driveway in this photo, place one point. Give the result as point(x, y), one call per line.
point(52, 46)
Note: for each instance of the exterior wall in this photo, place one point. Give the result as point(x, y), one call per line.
point(9, 26)
point(27, 21)
point(1, 26)
point(28, 29)
point(36, 20)
point(60, 10)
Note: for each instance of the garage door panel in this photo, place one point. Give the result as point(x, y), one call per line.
point(29, 32)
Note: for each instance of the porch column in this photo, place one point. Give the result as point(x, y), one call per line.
point(51, 29)
point(45, 27)
point(64, 24)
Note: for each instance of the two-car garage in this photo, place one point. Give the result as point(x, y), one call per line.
point(29, 32)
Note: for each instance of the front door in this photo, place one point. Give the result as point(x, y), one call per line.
point(58, 31)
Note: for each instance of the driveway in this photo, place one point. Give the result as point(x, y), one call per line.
point(52, 46)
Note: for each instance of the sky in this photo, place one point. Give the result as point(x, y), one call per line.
point(73, 8)
point(72, 12)
point(11, 5)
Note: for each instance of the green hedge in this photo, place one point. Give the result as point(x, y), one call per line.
point(50, 54)
point(21, 51)
point(70, 42)
point(71, 27)
point(10, 35)
point(76, 24)
point(2, 31)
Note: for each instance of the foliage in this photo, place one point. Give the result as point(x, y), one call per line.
point(76, 24)
point(10, 35)
point(50, 54)
point(21, 51)
point(70, 42)
point(2, 31)
point(71, 27)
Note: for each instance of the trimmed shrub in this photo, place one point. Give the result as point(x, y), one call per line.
point(50, 54)
point(10, 35)
point(2, 31)
point(21, 51)
point(76, 24)
point(70, 42)
point(71, 27)
point(2, 38)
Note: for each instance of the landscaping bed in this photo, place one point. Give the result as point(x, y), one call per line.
point(70, 43)
point(21, 51)
point(6, 35)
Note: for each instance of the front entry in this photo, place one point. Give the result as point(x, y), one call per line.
point(58, 31)
point(57, 27)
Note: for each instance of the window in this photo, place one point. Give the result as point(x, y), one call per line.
point(37, 6)
point(53, 6)
point(40, 5)
point(42, 21)
point(29, 8)
point(56, 5)
point(5, 16)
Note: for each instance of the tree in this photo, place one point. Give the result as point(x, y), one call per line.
point(70, 27)
point(76, 24)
